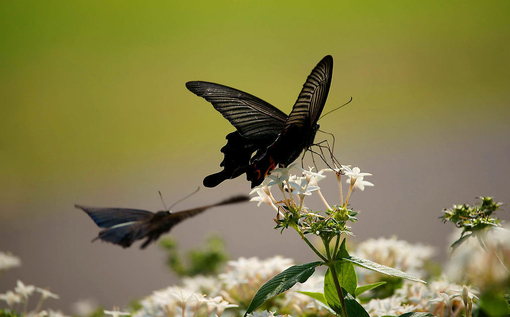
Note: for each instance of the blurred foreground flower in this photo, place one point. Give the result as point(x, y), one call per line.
point(8, 261)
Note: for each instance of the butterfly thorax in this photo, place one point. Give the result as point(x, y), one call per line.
point(160, 215)
point(290, 144)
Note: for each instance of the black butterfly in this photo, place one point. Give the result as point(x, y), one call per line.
point(124, 226)
point(276, 138)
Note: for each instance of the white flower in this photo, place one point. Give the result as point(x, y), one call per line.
point(42, 313)
point(265, 313)
point(202, 284)
point(389, 306)
point(262, 197)
point(487, 269)
point(8, 261)
point(356, 178)
point(301, 186)
point(116, 313)
point(253, 271)
point(219, 304)
point(398, 254)
point(313, 178)
point(24, 290)
point(182, 296)
point(84, 307)
point(11, 298)
point(283, 176)
point(46, 294)
point(53, 313)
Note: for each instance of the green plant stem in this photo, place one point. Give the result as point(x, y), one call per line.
point(309, 243)
point(335, 250)
point(331, 266)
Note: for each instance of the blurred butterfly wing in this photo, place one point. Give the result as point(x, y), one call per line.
point(108, 217)
point(124, 234)
point(312, 98)
point(123, 226)
point(251, 116)
point(164, 221)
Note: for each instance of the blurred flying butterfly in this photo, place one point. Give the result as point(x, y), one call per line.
point(124, 226)
point(274, 137)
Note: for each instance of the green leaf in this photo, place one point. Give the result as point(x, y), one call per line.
point(345, 270)
point(354, 308)
point(320, 298)
point(494, 305)
point(362, 289)
point(282, 282)
point(315, 295)
point(417, 315)
point(457, 243)
point(331, 294)
point(381, 268)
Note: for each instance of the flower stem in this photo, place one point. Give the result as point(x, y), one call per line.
point(323, 199)
point(348, 196)
point(331, 266)
point(339, 179)
point(309, 244)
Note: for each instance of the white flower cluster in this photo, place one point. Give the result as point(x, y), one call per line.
point(238, 284)
point(486, 267)
point(398, 254)
point(252, 271)
point(20, 296)
point(438, 297)
point(177, 301)
point(8, 261)
point(302, 186)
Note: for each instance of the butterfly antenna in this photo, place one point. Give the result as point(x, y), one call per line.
point(161, 196)
point(186, 197)
point(345, 104)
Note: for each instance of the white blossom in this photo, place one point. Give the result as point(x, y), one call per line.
point(11, 298)
point(24, 290)
point(8, 261)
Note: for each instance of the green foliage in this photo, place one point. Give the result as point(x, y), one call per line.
point(388, 287)
point(365, 288)
point(472, 219)
point(312, 223)
point(98, 312)
point(354, 308)
point(331, 293)
point(381, 268)
point(493, 305)
point(205, 261)
point(282, 282)
point(8, 313)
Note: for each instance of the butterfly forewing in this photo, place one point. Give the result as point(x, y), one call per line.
point(311, 99)
point(108, 217)
point(251, 116)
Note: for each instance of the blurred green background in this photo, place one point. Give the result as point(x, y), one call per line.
point(94, 111)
